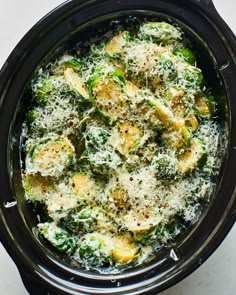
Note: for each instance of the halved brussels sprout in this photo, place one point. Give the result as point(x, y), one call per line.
point(37, 187)
point(67, 61)
point(137, 222)
point(51, 157)
point(119, 197)
point(108, 93)
point(176, 139)
point(131, 90)
point(94, 250)
point(126, 137)
point(141, 62)
point(167, 232)
point(58, 237)
point(80, 220)
point(95, 138)
point(165, 115)
point(186, 55)
point(192, 122)
point(101, 155)
point(177, 100)
point(32, 115)
point(46, 87)
point(75, 82)
point(125, 250)
point(115, 46)
point(105, 160)
point(190, 159)
point(205, 106)
point(174, 93)
point(166, 69)
point(83, 186)
point(161, 32)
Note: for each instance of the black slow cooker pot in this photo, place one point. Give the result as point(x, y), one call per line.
point(44, 272)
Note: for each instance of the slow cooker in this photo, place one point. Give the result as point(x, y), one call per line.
point(44, 272)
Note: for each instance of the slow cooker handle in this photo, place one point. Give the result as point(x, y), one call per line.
point(210, 10)
point(204, 4)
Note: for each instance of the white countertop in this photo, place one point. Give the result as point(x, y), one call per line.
point(217, 276)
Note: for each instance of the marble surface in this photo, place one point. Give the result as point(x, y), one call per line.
point(217, 275)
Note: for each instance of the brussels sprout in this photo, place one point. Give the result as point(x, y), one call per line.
point(165, 166)
point(126, 137)
point(37, 187)
point(60, 202)
point(115, 46)
point(125, 250)
point(45, 88)
point(51, 157)
point(75, 82)
point(101, 155)
point(166, 69)
point(136, 222)
point(146, 67)
point(104, 160)
point(32, 115)
point(83, 186)
point(131, 90)
point(119, 197)
point(105, 76)
point(192, 78)
point(108, 94)
point(179, 101)
point(186, 55)
point(86, 220)
point(146, 237)
point(161, 32)
point(67, 61)
point(95, 138)
point(192, 122)
point(58, 237)
point(178, 138)
point(80, 220)
point(161, 111)
point(164, 114)
point(187, 135)
point(191, 158)
point(174, 93)
point(94, 251)
point(167, 232)
point(205, 106)
point(172, 139)
point(58, 115)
